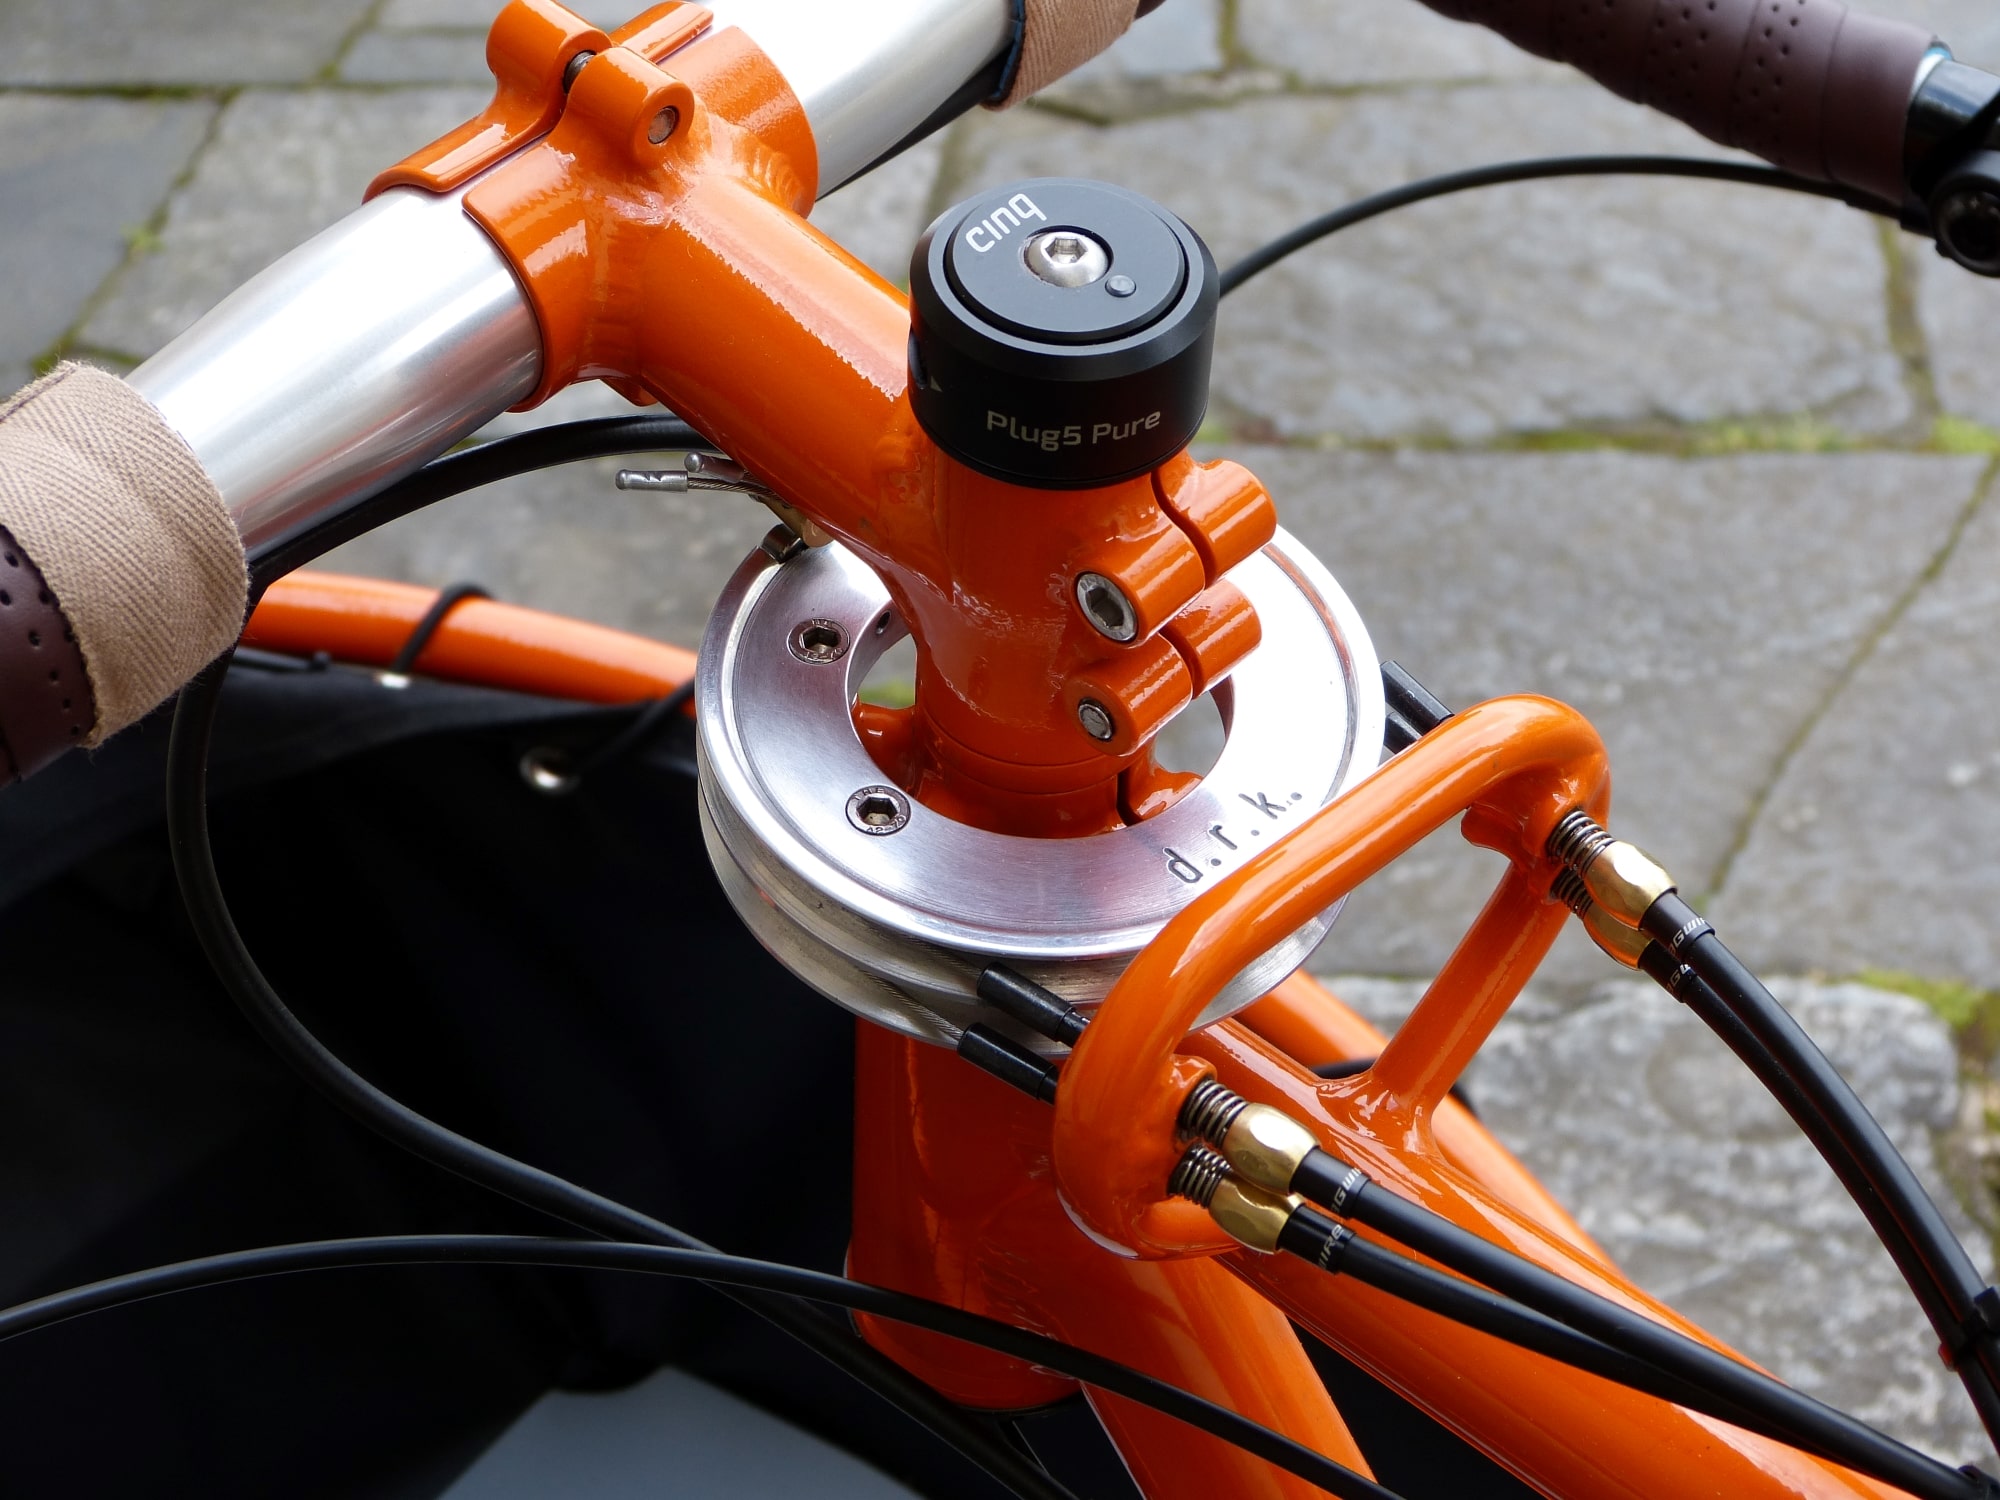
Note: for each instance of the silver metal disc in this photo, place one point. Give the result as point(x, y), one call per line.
point(897, 925)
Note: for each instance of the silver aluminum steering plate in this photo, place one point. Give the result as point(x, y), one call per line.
point(893, 909)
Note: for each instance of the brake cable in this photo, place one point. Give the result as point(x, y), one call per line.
point(1539, 1310)
point(719, 1270)
point(209, 914)
point(1532, 170)
point(567, 442)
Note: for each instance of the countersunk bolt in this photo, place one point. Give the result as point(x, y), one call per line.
point(1104, 604)
point(879, 810)
point(818, 641)
point(665, 123)
point(1095, 719)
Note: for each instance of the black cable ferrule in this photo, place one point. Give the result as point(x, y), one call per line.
point(1674, 925)
point(1410, 700)
point(1008, 1061)
point(1665, 970)
point(1041, 1010)
point(1979, 1324)
point(1330, 1182)
point(1315, 1238)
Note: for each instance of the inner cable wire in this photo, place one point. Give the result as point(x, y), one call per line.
point(720, 1270)
point(1531, 170)
point(209, 914)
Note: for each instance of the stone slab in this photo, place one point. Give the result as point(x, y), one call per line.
point(1184, 37)
point(441, 15)
point(155, 43)
point(1679, 1164)
point(1880, 844)
point(1375, 42)
point(1961, 322)
point(1532, 307)
point(1698, 611)
point(1971, 28)
point(386, 56)
point(79, 179)
point(283, 165)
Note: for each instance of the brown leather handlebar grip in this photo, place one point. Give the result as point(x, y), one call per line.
point(1808, 85)
point(121, 574)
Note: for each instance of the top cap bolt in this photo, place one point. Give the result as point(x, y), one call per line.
point(1067, 257)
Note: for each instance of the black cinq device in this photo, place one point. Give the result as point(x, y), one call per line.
point(1061, 333)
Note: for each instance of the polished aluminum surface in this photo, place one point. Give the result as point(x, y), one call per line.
point(378, 344)
point(877, 922)
point(868, 76)
point(358, 357)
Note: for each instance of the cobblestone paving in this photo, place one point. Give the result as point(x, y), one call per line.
point(1715, 466)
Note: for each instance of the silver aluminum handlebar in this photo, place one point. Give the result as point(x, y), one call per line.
point(399, 331)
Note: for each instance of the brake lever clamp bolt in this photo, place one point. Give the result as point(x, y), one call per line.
point(1965, 213)
point(1061, 333)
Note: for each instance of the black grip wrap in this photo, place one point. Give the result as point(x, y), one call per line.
point(1808, 85)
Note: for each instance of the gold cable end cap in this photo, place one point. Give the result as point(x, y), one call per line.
point(1251, 1215)
point(1266, 1145)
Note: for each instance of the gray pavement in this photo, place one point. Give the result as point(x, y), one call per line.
point(1715, 466)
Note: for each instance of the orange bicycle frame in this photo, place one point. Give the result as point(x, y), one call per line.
point(655, 217)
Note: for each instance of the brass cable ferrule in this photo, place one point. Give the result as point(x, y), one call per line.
point(1621, 879)
point(1252, 1216)
point(1265, 1146)
point(1262, 1144)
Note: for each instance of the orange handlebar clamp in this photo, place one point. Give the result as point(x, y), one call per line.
point(656, 224)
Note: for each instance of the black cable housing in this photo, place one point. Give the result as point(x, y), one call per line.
point(716, 1269)
point(1563, 1323)
point(273, 1020)
point(1536, 169)
point(1325, 1180)
point(467, 469)
point(1700, 998)
point(1855, 1146)
point(1333, 1247)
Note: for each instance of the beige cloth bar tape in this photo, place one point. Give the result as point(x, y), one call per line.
point(1058, 36)
point(130, 537)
